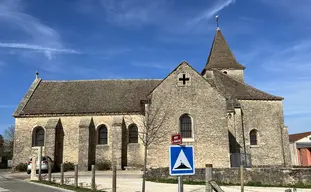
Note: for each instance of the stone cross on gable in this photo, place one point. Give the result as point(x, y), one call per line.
point(183, 79)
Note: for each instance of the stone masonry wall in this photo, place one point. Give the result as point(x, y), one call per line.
point(207, 109)
point(70, 125)
point(135, 155)
point(267, 118)
point(287, 153)
point(236, 74)
point(266, 176)
point(135, 151)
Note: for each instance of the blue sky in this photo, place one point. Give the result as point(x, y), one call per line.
point(100, 39)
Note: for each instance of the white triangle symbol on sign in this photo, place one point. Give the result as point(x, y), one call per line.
point(182, 162)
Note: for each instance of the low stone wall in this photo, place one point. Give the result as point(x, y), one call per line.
point(263, 176)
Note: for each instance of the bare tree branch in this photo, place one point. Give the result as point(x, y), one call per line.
point(151, 128)
point(8, 138)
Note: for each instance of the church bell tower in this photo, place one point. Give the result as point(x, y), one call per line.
point(221, 58)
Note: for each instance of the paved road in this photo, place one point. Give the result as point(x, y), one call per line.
point(99, 174)
point(14, 185)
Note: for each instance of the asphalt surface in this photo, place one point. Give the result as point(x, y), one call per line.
point(99, 174)
point(16, 185)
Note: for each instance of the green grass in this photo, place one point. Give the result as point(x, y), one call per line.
point(69, 187)
point(251, 183)
point(175, 181)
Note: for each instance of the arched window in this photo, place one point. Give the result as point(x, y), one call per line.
point(185, 126)
point(253, 137)
point(38, 137)
point(102, 134)
point(133, 134)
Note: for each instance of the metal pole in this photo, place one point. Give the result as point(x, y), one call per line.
point(93, 177)
point(114, 179)
point(40, 162)
point(76, 175)
point(208, 177)
point(62, 174)
point(180, 184)
point(242, 178)
point(50, 170)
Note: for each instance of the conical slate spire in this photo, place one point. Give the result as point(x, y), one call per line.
point(220, 56)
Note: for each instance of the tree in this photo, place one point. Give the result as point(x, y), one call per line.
point(150, 132)
point(1, 146)
point(1, 141)
point(9, 141)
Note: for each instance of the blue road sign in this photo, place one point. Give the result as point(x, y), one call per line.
point(181, 160)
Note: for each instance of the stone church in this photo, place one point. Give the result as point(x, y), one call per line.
point(90, 121)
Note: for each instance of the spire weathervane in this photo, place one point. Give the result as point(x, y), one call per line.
point(37, 74)
point(217, 21)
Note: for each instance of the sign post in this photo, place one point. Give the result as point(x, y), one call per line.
point(181, 160)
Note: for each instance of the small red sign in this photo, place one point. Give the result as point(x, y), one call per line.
point(176, 139)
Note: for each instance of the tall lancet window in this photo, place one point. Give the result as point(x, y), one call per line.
point(185, 126)
point(38, 137)
point(133, 134)
point(253, 137)
point(102, 135)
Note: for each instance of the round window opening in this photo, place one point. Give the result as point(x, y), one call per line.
point(225, 72)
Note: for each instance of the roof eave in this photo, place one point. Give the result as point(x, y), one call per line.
point(77, 114)
point(26, 97)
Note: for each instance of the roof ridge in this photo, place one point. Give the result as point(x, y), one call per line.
point(307, 132)
point(297, 136)
point(80, 80)
point(231, 78)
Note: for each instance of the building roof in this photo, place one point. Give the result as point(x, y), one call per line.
point(220, 56)
point(85, 96)
point(298, 136)
point(125, 96)
point(116, 96)
point(233, 89)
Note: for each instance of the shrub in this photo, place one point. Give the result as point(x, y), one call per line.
point(68, 166)
point(3, 166)
point(103, 165)
point(254, 183)
point(21, 167)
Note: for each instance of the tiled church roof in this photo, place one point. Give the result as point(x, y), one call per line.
point(233, 89)
point(90, 96)
point(124, 96)
point(220, 56)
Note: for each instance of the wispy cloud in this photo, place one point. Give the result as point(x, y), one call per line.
point(285, 71)
point(213, 10)
point(134, 12)
point(295, 58)
point(34, 34)
point(39, 48)
point(162, 14)
point(297, 10)
point(7, 106)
